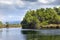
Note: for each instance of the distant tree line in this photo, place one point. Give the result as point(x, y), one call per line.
point(8, 25)
point(39, 17)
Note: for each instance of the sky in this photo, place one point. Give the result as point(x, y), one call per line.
point(15, 10)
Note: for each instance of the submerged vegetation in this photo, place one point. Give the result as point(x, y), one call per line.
point(41, 17)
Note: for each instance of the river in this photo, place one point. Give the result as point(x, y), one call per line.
point(29, 34)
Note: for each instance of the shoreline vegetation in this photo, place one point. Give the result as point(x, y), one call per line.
point(7, 25)
point(42, 18)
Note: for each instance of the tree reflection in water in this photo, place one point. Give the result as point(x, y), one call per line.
point(0, 34)
point(35, 35)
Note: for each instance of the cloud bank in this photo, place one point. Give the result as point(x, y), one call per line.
point(12, 10)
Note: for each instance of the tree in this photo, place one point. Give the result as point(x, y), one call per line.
point(40, 17)
point(1, 24)
point(57, 10)
point(7, 25)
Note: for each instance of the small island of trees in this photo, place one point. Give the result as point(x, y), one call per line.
point(40, 18)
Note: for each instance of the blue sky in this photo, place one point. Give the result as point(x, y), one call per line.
point(14, 10)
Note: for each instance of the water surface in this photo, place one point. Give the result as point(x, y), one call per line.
point(29, 34)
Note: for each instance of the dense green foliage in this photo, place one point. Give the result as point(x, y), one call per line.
point(7, 24)
point(41, 17)
point(1, 24)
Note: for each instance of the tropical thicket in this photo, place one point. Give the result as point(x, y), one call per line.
point(41, 17)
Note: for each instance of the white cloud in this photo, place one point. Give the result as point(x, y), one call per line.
point(33, 3)
point(46, 1)
point(58, 6)
point(5, 18)
point(6, 2)
point(12, 18)
point(10, 7)
point(43, 1)
point(20, 3)
point(13, 2)
point(2, 17)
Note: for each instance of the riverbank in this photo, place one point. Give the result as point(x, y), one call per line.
point(49, 26)
point(54, 26)
point(10, 26)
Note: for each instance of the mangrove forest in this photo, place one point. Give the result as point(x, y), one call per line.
point(40, 18)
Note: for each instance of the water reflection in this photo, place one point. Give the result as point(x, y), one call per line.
point(0, 34)
point(11, 34)
point(29, 32)
point(41, 34)
point(20, 34)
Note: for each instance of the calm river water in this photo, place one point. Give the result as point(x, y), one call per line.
point(25, 34)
